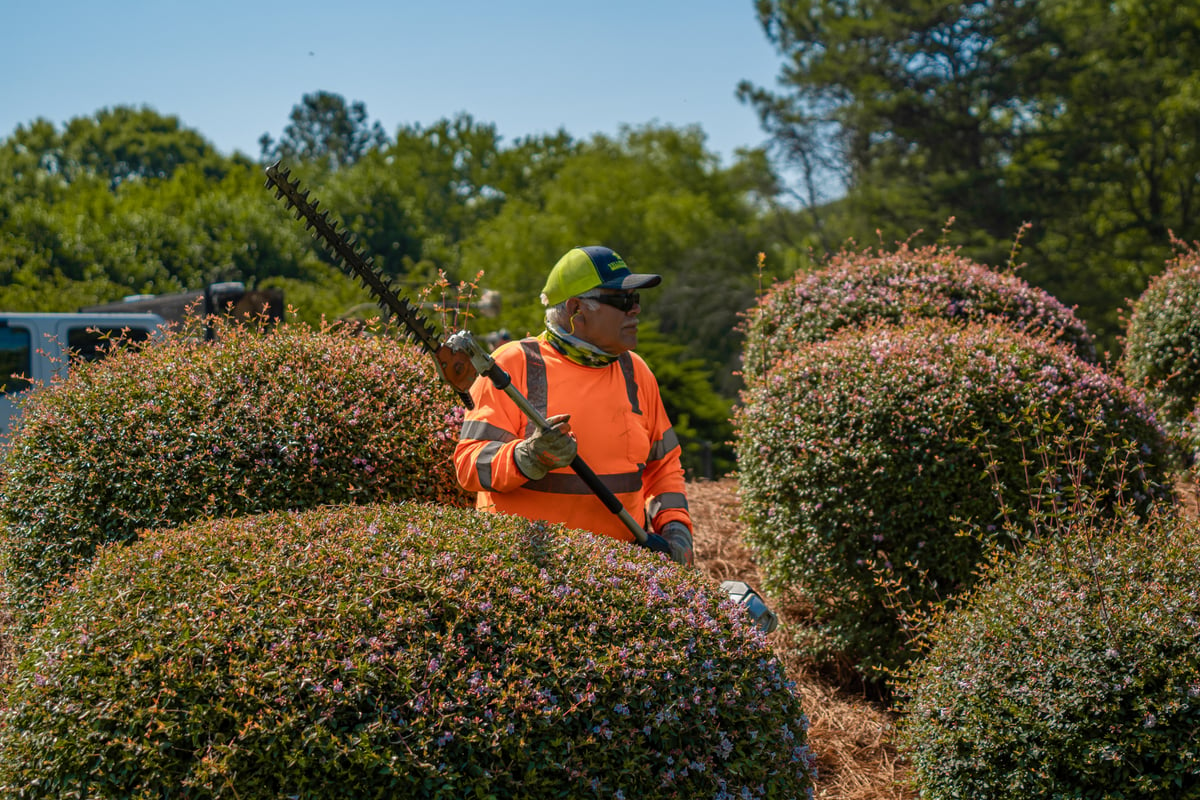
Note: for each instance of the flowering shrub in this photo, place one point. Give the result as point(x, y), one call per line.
point(408, 650)
point(187, 429)
point(1074, 673)
point(1162, 344)
point(864, 457)
point(857, 288)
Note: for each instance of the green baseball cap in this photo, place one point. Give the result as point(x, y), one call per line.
point(585, 268)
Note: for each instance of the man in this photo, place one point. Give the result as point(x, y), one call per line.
point(581, 373)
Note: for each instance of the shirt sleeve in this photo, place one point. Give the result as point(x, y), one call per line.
point(483, 457)
point(663, 480)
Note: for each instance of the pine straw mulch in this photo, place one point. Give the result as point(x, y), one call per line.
point(849, 734)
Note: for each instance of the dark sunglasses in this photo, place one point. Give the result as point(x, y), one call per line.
point(624, 302)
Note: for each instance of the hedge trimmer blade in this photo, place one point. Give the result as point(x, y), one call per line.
point(454, 368)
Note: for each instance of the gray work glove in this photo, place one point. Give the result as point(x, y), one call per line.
point(679, 540)
point(544, 450)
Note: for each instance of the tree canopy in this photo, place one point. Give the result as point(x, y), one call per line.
point(324, 127)
point(1079, 117)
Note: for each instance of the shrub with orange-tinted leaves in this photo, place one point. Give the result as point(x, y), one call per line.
point(1073, 671)
point(861, 288)
point(185, 428)
point(864, 458)
point(407, 651)
point(1162, 346)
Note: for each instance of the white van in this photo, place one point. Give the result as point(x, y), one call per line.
point(36, 347)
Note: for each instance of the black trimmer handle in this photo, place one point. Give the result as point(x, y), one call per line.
point(596, 485)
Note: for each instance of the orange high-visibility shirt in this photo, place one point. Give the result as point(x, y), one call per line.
point(618, 419)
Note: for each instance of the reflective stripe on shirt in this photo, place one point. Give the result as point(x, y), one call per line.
point(535, 381)
point(664, 501)
point(659, 449)
point(631, 387)
point(479, 429)
point(483, 464)
point(570, 483)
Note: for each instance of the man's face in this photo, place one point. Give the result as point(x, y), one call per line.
point(606, 326)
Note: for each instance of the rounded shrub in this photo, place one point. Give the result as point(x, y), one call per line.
point(1074, 672)
point(186, 428)
point(406, 650)
point(857, 288)
point(862, 460)
point(1162, 343)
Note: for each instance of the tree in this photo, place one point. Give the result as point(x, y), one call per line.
point(898, 100)
point(1079, 116)
point(82, 217)
point(413, 202)
point(323, 127)
point(29, 162)
point(120, 144)
point(1108, 158)
point(449, 170)
point(67, 242)
point(699, 416)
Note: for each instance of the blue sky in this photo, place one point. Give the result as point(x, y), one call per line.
point(234, 70)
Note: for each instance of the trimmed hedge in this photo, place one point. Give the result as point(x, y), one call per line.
point(864, 457)
point(1162, 345)
point(396, 651)
point(1074, 673)
point(187, 429)
point(855, 289)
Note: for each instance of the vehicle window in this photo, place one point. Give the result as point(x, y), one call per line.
point(89, 343)
point(15, 353)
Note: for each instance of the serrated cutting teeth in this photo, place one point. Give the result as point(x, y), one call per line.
point(340, 246)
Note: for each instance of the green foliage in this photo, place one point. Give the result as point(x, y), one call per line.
point(862, 458)
point(325, 294)
point(1073, 672)
point(398, 651)
point(1162, 346)
point(698, 414)
point(187, 428)
point(855, 288)
point(1108, 169)
point(324, 128)
point(901, 102)
point(383, 203)
point(129, 144)
point(660, 199)
point(451, 198)
point(1078, 116)
point(99, 244)
point(35, 290)
point(410, 204)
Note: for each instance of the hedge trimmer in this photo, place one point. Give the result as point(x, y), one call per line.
point(459, 359)
point(453, 367)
